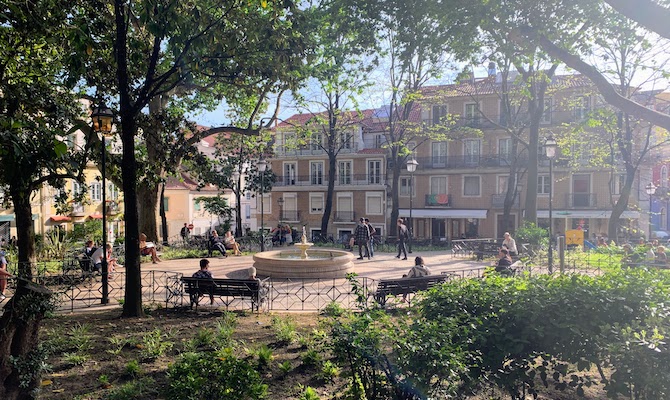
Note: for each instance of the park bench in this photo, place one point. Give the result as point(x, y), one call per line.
point(405, 286)
point(228, 290)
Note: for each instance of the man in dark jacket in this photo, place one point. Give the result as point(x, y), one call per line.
point(403, 235)
point(362, 234)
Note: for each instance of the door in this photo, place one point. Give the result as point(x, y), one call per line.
point(439, 229)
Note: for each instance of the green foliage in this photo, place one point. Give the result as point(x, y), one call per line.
point(329, 371)
point(90, 229)
point(135, 390)
point(154, 345)
point(284, 329)
point(311, 357)
point(103, 380)
point(285, 367)
point(532, 234)
point(30, 366)
point(132, 369)
point(265, 357)
point(116, 345)
point(75, 359)
point(307, 393)
point(333, 309)
point(213, 376)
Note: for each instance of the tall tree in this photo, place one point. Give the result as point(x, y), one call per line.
point(160, 46)
point(38, 110)
point(343, 60)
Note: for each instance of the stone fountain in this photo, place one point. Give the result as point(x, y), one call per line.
point(297, 262)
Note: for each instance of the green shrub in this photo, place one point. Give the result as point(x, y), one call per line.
point(154, 345)
point(285, 329)
point(307, 393)
point(132, 369)
point(75, 359)
point(285, 367)
point(333, 309)
point(134, 390)
point(532, 234)
point(329, 371)
point(211, 376)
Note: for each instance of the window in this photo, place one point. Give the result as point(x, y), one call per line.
point(374, 204)
point(112, 192)
point(96, 191)
point(503, 183)
point(582, 107)
point(405, 184)
point(471, 186)
point(289, 174)
point(471, 151)
point(76, 188)
point(546, 115)
point(345, 140)
point(344, 172)
point(197, 206)
point(315, 203)
point(664, 176)
point(248, 195)
point(543, 184)
point(247, 211)
point(380, 141)
point(439, 112)
point(438, 185)
point(374, 172)
point(166, 203)
point(316, 141)
point(617, 183)
point(503, 113)
point(438, 151)
point(505, 149)
point(316, 172)
point(472, 114)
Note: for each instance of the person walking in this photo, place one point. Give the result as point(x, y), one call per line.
point(372, 231)
point(403, 235)
point(185, 233)
point(362, 234)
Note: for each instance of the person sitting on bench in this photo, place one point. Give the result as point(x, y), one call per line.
point(504, 262)
point(148, 249)
point(204, 273)
point(418, 270)
point(215, 243)
point(230, 243)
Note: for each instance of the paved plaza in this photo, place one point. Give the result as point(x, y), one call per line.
point(381, 266)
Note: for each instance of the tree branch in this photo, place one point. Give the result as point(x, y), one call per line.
point(648, 14)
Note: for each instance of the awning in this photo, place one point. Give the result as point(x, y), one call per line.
point(602, 214)
point(95, 216)
point(6, 218)
point(60, 218)
point(442, 213)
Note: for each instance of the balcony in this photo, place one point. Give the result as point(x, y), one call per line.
point(290, 216)
point(581, 200)
point(468, 161)
point(344, 216)
point(438, 200)
point(77, 210)
point(498, 201)
point(112, 207)
point(518, 120)
point(283, 151)
point(340, 180)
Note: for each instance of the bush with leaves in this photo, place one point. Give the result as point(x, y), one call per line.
point(211, 375)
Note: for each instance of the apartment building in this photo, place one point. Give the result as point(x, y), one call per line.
point(459, 186)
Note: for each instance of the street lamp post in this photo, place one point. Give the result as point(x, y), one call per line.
point(411, 167)
point(262, 166)
point(550, 147)
point(102, 122)
point(238, 222)
point(650, 189)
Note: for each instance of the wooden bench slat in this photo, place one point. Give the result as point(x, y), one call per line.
point(236, 288)
point(404, 286)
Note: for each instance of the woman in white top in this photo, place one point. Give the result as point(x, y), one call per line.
point(510, 244)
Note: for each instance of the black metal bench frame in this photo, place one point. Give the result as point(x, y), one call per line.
point(228, 290)
point(405, 286)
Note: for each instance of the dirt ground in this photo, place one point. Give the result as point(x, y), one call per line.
point(68, 380)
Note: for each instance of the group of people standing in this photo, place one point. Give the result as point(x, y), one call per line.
point(364, 237)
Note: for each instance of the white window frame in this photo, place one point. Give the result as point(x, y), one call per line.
point(508, 144)
point(96, 191)
point(404, 186)
point(435, 188)
point(479, 178)
point(314, 197)
point(541, 186)
point(618, 181)
point(316, 175)
point(471, 112)
point(664, 176)
point(346, 138)
point(582, 107)
point(439, 152)
point(438, 111)
point(316, 141)
point(287, 178)
point(375, 173)
point(368, 199)
point(474, 157)
point(341, 178)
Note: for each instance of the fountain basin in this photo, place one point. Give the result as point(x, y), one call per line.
point(287, 263)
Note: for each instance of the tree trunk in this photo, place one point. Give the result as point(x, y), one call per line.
point(164, 230)
point(20, 323)
point(621, 204)
point(395, 198)
point(330, 193)
point(147, 205)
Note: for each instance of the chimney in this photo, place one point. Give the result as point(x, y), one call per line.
point(492, 69)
